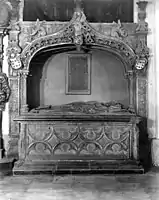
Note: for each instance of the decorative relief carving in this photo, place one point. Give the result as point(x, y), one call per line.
point(4, 90)
point(142, 25)
point(14, 49)
point(142, 96)
point(103, 139)
point(14, 106)
point(79, 32)
point(38, 31)
point(80, 139)
point(142, 52)
point(119, 31)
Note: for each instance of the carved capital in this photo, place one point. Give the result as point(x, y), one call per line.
point(4, 90)
point(130, 75)
point(24, 73)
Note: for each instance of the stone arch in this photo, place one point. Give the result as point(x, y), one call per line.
point(79, 33)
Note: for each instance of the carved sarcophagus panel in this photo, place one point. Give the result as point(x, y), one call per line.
point(84, 140)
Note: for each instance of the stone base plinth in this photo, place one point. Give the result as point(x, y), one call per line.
point(6, 166)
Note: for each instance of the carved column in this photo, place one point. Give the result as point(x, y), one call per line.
point(14, 61)
point(24, 105)
point(130, 76)
point(1, 60)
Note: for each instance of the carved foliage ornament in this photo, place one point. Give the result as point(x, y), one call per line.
point(77, 32)
point(4, 90)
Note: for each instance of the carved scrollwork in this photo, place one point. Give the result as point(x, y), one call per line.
point(78, 32)
point(4, 90)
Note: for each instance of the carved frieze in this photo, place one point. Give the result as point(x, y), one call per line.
point(80, 139)
point(79, 32)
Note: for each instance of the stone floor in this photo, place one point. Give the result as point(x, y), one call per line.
point(80, 187)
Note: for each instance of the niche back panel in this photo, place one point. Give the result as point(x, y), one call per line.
point(78, 73)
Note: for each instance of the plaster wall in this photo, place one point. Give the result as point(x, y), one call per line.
point(107, 77)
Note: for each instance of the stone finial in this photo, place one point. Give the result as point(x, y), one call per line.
point(78, 5)
point(142, 11)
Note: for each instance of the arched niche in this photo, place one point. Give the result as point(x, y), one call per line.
point(46, 83)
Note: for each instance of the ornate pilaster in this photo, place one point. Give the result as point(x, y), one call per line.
point(14, 49)
point(142, 56)
point(24, 106)
point(130, 77)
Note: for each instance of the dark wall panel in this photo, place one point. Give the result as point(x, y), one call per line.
point(95, 10)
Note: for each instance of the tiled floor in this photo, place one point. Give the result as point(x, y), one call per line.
point(80, 187)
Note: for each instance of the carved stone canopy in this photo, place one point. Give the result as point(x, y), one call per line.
point(79, 33)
